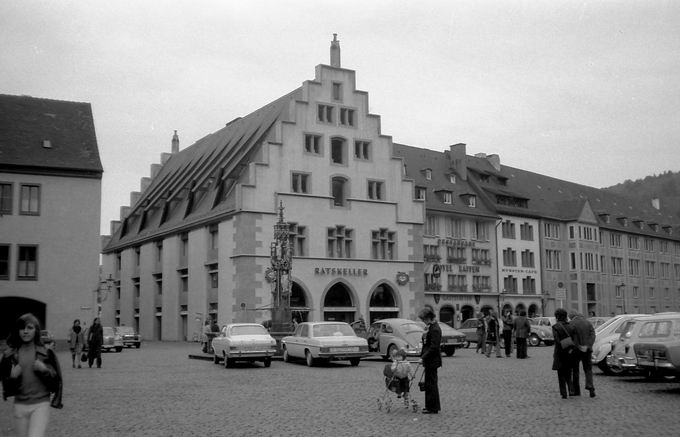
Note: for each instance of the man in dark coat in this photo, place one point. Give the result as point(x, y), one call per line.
point(522, 328)
point(95, 339)
point(563, 357)
point(431, 357)
point(584, 337)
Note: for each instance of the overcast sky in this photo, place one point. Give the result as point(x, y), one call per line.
point(587, 91)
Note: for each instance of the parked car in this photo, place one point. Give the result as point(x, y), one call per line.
point(469, 329)
point(111, 340)
point(327, 341)
point(648, 329)
point(598, 321)
point(452, 339)
point(47, 338)
point(541, 331)
point(243, 342)
point(387, 336)
point(129, 336)
point(658, 350)
point(605, 335)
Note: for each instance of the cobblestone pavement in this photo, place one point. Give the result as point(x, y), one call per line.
point(158, 391)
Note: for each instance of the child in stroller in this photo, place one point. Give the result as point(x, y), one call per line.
point(398, 378)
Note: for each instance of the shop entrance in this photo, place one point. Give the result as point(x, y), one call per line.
point(447, 315)
point(467, 312)
point(383, 304)
point(299, 306)
point(338, 305)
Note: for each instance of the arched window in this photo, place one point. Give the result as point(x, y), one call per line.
point(338, 305)
point(339, 190)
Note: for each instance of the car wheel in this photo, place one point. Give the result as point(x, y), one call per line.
point(309, 358)
point(354, 361)
point(286, 357)
point(267, 362)
point(534, 340)
point(391, 350)
point(119, 349)
point(449, 351)
point(613, 370)
point(602, 365)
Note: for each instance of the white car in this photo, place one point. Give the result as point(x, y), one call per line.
point(327, 341)
point(243, 342)
point(605, 335)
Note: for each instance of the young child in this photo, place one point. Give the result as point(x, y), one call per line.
point(402, 372)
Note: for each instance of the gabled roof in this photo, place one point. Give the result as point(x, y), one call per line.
point(199, 173)
point(27, 122)
point(416, 160)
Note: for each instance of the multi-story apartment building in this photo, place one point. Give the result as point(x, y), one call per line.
point(195, 240)
point(50, 200)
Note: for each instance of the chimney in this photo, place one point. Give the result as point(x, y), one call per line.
point(656, 203)
point(458, 159)
point(174, 147)
point(335, 51)
point(495, 161)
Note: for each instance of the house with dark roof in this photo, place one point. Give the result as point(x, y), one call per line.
point(50, 201)
point(196, 240)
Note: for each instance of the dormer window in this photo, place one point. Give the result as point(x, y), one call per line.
point(470, 200)
point(484, 177)
point(605, 218)
point(448, 197)
point(654, 226)
point(668, 230)
point(639, 223)
point(623, 221)
point(452, 178)
point(420, 193)
point(428, 174)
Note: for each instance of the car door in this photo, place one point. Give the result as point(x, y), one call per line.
point(296, 345)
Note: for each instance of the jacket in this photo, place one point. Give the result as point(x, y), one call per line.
point(95, 336)
point(562, 357)
point(584, 333)
point(522, 327)
point(431, 354)
point(74, 338)
point(52, 379)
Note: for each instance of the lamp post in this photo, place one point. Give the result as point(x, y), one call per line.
point(104, 285)
point(279, 276)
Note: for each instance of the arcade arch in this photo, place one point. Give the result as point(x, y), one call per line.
point(383, 303)
point(338, 303)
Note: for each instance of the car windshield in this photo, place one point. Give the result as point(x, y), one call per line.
point(248, 330)
point(330, 330)
point(125, 330)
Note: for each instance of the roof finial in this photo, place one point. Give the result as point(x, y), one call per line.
point(335, 51)
point(174, 148)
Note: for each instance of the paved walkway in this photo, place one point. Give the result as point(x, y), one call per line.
point(158, 391)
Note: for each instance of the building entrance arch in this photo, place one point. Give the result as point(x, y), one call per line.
point(338, 304)
point(507, 307)
point(299, 306)
point(383, 303)
point(533, 310)
point(519, 308)
point(447, 314)
point(11, 308)
point(467, 312)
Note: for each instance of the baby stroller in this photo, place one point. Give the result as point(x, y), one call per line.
point(392, 387)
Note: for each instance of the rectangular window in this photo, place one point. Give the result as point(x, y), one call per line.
point(663, 246)
point(431, 227)
point(159, 252)
point(553, 260)
point(339, 242)
point(325, 113)
point(362, 150)
point(347, 117)
point(27, 265)
point(508, 229)
point(527, 258)
point(213, 237)
point(214, 279)
point(676, 267)
point(650, 269)
point(30, 200)
point(510, 284)
point(636, 293)
point(299, 183)
point(6, 198)
point(448, 198)
point(431, 253)
point(572, 261)
point(457, 283)
point(138, 257)
point(481, 283)
point(4, 261)
point(571, 232)
point(665, 271)
point(456, 255)
point(651, 293)
point(552, 231)
point(529, 285)
point(383, 244)
point(633, 242)
point(509, 257)
point(313, 144)
point(184, 245)
point(454, 227)
point(615, 240)
point(376, 190)
point(649, 245)
point(590, 262)
point(526, 232)
point(481, 256)
point(297, 239)
point(634, 267)
point(420, 193)
point(617, 266)
point(481, 231)
point(337, 91)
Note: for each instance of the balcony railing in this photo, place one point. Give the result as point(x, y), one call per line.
point(455, 260)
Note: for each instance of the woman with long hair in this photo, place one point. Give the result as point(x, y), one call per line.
point(76, 340)
point(30, 373)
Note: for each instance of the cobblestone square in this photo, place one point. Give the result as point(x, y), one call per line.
point(158, 391)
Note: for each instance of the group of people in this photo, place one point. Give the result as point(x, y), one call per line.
point(30, 371)
point(574, 337)
point(490, 330)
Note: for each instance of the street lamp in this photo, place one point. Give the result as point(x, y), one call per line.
point(104, 285)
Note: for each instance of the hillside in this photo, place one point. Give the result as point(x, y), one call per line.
point(665, 187)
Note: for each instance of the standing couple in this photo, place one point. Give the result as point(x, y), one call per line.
point(573, 349)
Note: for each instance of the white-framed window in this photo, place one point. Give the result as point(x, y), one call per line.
point(552, 231)
point(634, 267)
point(633, 242)
point(481, 230)
point(297, 239)
point(448, 197)
point(649, 245)
point(428, 174)
point(454, 227)
point(27, 262)
point(617, 266)
point(421, 193)
point(431, 225)
point(339, 190)
point(615, 239)
point(29, 201)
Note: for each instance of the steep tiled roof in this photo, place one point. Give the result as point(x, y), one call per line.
point(417, 160)
point(26, 122)
point(196, 173)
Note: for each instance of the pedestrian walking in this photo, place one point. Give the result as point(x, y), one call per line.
point(493, 334)
point(563, 355)
point(481, 332)
point(522, 328)
point(431, 357)
point(76, 341)
point(30, 373)
point(205, 336)
point(507, 332)
point(95, 339)
point(584, 337)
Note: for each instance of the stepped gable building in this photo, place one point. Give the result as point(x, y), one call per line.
point(600, 253)
point(195, 240)
point(50, 202)
point(459, 244)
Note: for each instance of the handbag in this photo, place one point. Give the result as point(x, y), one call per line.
point(421, 383)
point(83, 357)
point(567, 343)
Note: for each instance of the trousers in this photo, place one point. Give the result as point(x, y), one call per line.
point(31, 420)
point(431, 390)
point(582, 359)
